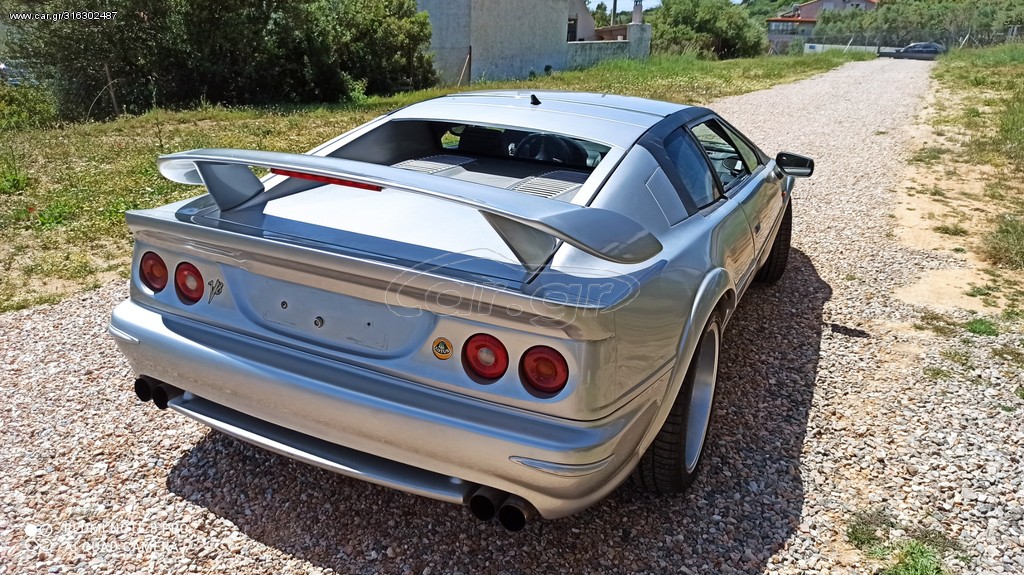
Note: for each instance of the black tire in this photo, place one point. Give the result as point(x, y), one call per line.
point(666, 467)
point(775, 265)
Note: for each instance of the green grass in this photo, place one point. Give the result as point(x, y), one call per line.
point(991, 77)
point(914, 558)
point(1009, 354)
point(65, 189)
point(919, 554)
point(981, 326)
point(937, 323)
point(929, 155)
point(957, 356)
point(937, 373)
point(869, 529)
point(953, 229)
point(981, 291)
point(12, 181)
point(1005, 244)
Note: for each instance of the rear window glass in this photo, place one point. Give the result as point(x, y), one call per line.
point(524, 145)
point(401, 141)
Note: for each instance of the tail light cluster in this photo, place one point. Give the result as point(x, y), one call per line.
point(188, 280)
point(542, 369)
point(485, 357)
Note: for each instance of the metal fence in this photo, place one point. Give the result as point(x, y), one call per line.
point(873, 41)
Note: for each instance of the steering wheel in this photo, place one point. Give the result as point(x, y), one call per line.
point(544, 147)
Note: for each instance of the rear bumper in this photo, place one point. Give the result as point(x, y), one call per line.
point(380, 428)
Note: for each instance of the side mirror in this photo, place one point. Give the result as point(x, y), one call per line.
point(794, 165)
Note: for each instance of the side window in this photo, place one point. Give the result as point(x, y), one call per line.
point(726, 159)
point(692, 168)
point(750, 157)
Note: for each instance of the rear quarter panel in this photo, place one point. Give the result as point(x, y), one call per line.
point(654, 328)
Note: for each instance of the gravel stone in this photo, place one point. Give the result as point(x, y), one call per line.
point(824, 410)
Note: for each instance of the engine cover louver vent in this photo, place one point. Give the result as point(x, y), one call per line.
point(434, 164)
point(551, 184)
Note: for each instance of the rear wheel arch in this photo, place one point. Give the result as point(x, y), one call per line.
point(715, 298)
point(672, 459)
point(716, 294)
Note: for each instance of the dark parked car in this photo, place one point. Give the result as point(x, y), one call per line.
point(915, 51)
point(923, 48)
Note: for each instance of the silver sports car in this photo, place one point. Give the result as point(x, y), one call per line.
point(507, 300)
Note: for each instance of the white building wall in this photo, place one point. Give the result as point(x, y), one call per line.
point(584, 20)
point(512, 38)
point(451, 25)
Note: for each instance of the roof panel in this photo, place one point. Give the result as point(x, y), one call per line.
point(605, 118)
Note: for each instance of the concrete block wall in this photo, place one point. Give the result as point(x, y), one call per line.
point(584, 54)
point(636, 47)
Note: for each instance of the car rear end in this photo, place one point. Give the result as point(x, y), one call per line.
point(439, 380)
point(385, 307)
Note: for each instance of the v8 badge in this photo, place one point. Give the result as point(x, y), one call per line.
point(216, 288)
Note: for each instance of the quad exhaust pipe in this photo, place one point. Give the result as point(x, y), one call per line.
point(513, 512)
point(149, 389)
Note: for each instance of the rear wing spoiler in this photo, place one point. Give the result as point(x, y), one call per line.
point(530, 225)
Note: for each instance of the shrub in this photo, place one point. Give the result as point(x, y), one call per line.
point(25, 107)
point(711, 28)
point(173, 54)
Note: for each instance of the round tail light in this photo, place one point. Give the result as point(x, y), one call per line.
point(153, 271)
point(544, 369)
point(484, 356)
point(189, 283)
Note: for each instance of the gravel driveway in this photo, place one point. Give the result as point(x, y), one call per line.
point(823, 411)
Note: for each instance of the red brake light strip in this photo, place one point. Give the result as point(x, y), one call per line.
point(326, 180)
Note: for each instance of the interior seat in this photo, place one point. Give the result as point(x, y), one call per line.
point(482, 141)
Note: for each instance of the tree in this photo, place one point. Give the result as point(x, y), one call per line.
point(762, 9)
point(600, 14)
point(710, 28)
point(180, 52)
point(895, 23)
